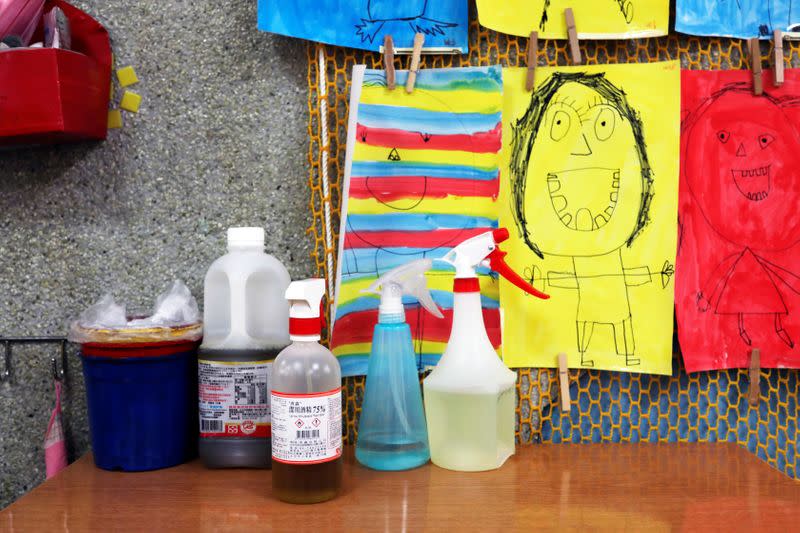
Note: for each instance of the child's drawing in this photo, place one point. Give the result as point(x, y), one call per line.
point(582, 188)
point(595, 19)
point(599, 198)
point(422, 176)
point(737, 18)
point(739, 256)
point(364, 23)
point(379, 12)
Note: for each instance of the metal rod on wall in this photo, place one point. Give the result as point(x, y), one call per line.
point(8, 342)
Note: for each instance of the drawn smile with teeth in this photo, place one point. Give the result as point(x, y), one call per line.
point(753, 183)
point(584, 199)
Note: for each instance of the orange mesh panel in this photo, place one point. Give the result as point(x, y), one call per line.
point(607, 407)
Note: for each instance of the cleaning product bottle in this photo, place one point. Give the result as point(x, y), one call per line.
point(306, 405)
point(470, 395)
point(391, 430)
point(246, 325)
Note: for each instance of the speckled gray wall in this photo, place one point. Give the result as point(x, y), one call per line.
point(220, 140)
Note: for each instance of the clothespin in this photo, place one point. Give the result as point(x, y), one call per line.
point(533, 47)
point(563, 379)
point(755, 65)
point(388, 61)
point(419, 40)
point(777, 79)
point(572, 33)
point(755, 376)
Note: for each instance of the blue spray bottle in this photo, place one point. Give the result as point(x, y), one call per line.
point(392, 433)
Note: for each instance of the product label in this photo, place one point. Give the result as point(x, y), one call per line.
point(234, 401)
point(306, 428)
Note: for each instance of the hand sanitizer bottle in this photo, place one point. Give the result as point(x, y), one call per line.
point(470, 395)
point(391, 430)
point(306, 405)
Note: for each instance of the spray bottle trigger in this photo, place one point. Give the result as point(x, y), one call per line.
point(498, 264)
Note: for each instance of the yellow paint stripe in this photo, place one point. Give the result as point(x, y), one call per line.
point(366, 347)
point(483, 161)
point(437, 281)
point(457, 101)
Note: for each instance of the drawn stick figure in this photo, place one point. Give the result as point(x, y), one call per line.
point(579, 163)
point(739, 168)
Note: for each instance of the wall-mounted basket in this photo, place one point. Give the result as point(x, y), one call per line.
point(50, 95)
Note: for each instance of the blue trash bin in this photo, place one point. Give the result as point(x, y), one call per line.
point(142, 401)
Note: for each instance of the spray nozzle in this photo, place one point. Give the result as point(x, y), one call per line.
point(306, 317)
point(406, 279)
point(483, 250)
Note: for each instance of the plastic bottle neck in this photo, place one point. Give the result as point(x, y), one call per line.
point(304, 340)
point(391, 318)
point(245, 247)
point(467, 315)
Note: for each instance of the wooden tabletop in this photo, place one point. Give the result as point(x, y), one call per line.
point(662, 487)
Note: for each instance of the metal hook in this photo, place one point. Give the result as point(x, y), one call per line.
point(58, 373)
point(6, 374)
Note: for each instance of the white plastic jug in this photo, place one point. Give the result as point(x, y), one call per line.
point(246, 325)
point(245, 308)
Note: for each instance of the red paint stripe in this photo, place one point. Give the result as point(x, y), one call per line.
point(357, 327)
point(417, 239)
point(402, 187)
point(482, 142)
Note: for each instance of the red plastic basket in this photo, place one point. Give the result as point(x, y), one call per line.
point(50, 95)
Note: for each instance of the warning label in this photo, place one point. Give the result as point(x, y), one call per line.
point(306, 428)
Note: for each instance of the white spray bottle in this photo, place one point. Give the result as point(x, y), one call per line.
point(470, 395)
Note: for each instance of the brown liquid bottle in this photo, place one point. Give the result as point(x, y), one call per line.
point(306, 404)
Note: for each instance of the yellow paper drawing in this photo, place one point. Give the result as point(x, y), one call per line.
point(594, 19)
point(590, 193)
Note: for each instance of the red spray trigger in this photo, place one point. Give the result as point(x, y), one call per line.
point(498, 263)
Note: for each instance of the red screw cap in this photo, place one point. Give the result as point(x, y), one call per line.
point(499, 235)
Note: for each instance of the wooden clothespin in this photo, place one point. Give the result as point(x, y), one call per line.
point(755, 376)
point(755, 65)
point(388, 61)
point(533, 48)
point(563, 379)
point(777, 79)
point(416, 54)
point(572, 34)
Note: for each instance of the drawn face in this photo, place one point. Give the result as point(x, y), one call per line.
point(584, 180)
point(739, 167)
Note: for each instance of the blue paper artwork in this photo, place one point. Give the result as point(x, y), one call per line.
point(742, 19)
point(364, 23)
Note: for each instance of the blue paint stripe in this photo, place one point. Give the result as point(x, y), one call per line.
point(388, 169)
point(433, 122)
point(485, 79)
point(416, 222)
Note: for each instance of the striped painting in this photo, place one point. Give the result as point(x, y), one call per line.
point(422, 175)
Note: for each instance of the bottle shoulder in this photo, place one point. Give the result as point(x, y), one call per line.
point(238, 261)
point(306, 367)
point(471, 369)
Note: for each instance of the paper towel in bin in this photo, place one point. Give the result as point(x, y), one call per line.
point(175, 316)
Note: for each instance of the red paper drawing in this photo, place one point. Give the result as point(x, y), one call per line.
point(738, 268)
